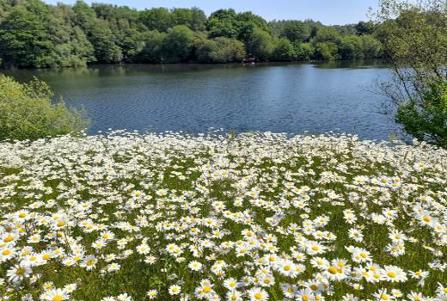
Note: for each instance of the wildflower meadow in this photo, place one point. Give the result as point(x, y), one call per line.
point(128, 216)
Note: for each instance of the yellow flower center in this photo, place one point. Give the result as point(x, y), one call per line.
point(333, 270)
point(22, 215)
point(57, 298)
point(287, 268)
point(258, 296)
point(60, 224)
point(305, 298)
point(392, 274)
point(6, 252)
point(426, 219)
point(46, 257)
point(206, 289)
point(8, 238)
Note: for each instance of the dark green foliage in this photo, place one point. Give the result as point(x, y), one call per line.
point(157, 19)
point(327, 34)
point(98, 33)
point(177, 46)
point(152, 51)
point(34, 34)
point(370, 47)
point(220, 50)
point(416, 44)
point(295, 31)
point(26, 112)
point(255, 20)
point(365, 28)
point(194, 18)
point(126, 32)
point(427, 119)
point(259, 44)
point(350, 47)
point(284, 51)
point(24, 37)
point(304, 52)
point(326, 51)
point(72, 48)
point(224, 23)
point(102, 39)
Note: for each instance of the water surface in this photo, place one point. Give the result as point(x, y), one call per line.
point(292, 98)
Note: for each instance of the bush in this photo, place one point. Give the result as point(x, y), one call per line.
point(284, 51)
point(227, 50)
point(326, 51)
point(416, 44)
point(26, 112)
point(427, 120)
point(304, 51)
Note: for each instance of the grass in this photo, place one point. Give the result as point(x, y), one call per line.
point(126, 217)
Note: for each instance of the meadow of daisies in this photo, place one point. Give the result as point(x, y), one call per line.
point(222, 217)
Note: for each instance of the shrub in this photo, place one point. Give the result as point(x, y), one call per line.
point(284, 51)
point(26, 112)
point(416, 44)
point(427, 119)
point(227, 50)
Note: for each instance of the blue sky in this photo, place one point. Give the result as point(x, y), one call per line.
point(326, 11)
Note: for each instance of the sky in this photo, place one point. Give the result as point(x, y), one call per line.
point(329, 12)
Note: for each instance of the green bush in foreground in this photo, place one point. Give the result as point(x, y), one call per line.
point(416, 45)
point(26, 112)
point(427, 120)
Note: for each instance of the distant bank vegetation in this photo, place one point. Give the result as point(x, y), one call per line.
point(36, 35)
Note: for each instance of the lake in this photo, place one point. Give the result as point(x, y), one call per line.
point(292, 98)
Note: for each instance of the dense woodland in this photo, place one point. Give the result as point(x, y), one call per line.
point(34, 34)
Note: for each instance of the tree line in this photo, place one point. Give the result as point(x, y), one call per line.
point(37, 35)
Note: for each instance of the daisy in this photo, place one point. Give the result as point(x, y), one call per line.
point(393, 274)
point(56, 294)
point(174, 290)
point(383, 296)
point(205, 290)
point(231, 284)
point(305, 295)
point(195, 266)
point(287, 268)
point(152, 294)
point(6, 253)
point(89, 262)
point(234, 296)
point(18, 272)
point(258, 294)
